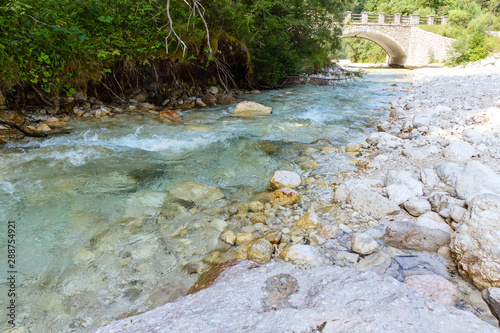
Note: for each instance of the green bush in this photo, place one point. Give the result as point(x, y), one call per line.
point(459, 17)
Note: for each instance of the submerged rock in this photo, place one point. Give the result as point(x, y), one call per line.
point(171, 116)
point(276, 297)
point(197, 193)
point(248, 109)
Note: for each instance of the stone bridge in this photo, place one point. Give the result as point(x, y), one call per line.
point(404, 42)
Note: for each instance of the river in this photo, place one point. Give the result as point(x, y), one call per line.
point(97, 237)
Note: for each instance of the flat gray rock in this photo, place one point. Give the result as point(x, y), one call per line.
point(371, 203)
point(278, 297)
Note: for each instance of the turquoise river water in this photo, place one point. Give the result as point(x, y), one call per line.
point(94, 227)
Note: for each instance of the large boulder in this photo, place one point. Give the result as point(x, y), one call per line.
point(248, 109)
point(369, 202)
point(197, 193)
point(492, 297)
point(476, 178)
point(475, 243)
point(277, 297)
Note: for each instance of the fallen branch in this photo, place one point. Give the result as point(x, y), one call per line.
point(20, 129)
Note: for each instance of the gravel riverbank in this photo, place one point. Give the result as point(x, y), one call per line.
point(413, 229)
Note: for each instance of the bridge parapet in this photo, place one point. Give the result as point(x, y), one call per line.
point(395, 19)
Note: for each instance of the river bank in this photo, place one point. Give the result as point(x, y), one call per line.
point(412, 210)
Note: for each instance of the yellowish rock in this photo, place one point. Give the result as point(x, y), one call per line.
point(309, 165)
point(260, 250)
point(273, 236)
point(256, 206)
point(243, 238)
point(44, 127)
point(228, 236)
point(308, 221)
point(353, 147)
point(284, 197)
point(328, 150)
point(249, 109)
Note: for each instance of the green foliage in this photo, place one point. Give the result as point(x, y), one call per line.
point(59, 45)
point(470, 48)
point(459, 17)
point(361, 50)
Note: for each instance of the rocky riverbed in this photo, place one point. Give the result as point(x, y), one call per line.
point(406, 241)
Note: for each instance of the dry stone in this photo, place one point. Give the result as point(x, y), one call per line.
point(459, 151)
point(277, 297)
point(260, 250)
point(284, 197)
point(435, 287)
point(302, 255)
point(408, 235)
point(283, 179)
point(371, 203)
point(309, 220)
point(417, 207)
point(476, 240)
point(363, 243)
point(476, 178)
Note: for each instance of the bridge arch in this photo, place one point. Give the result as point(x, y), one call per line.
point(396, 56)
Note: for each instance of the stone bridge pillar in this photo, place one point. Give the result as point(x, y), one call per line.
point(430, 19)
point(414, 19)
point(381, 18)
point(397, 18)
point(444, 20)
point(364, 18)
point(347, 17)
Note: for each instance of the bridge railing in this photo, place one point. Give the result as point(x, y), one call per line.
point(395, 19)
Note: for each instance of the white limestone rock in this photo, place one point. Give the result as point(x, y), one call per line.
point(443, 200)
point(457, 213)
point(476, 178)
point(277, 297)
point(416, 153)
point(371, 203)
point(475, 242)
point(417, 207)
point(427, 222)
point(459, 151)
point(472, 136)
point(448, 172)
point(302, 255)
point(363, 243)
point(429, 178)
point(421, 120)
point(401, 186)
point(384, 140)
point(282, 178)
